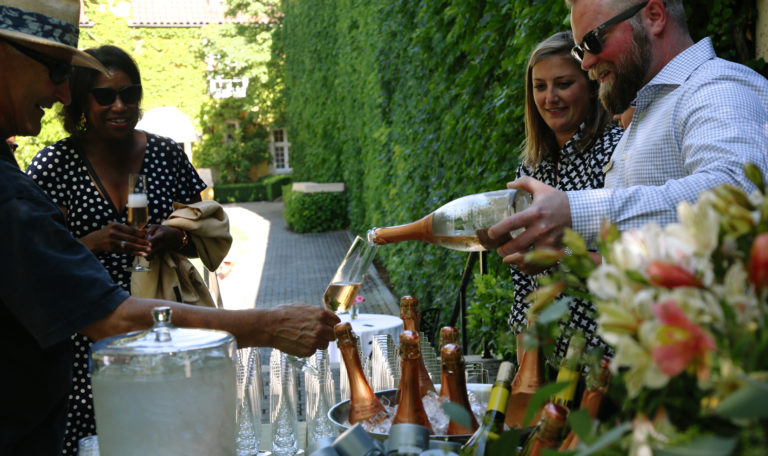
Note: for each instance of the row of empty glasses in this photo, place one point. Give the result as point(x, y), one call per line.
point(382, 371)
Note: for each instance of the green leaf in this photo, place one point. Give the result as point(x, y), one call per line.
point(507, 439)
point(554, 312)
point(706, 445)
point(606, 440)
point(748, 402)
point(580, 423)
point(457, 414)
point(540, 397)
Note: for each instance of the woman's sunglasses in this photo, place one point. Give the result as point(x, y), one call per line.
point(105, 96)
point(58, 70)
point(592, 41)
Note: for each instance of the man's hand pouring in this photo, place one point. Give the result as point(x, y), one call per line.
point(543, 222)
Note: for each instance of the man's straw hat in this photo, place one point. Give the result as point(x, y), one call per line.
point(52, 23)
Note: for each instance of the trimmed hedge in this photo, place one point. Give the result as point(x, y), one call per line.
point(315, 212)
point(268, 188)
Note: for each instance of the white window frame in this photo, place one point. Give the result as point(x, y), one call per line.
point(274, 146)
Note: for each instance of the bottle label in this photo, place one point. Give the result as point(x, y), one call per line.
point(498, 400)
point(567, 375)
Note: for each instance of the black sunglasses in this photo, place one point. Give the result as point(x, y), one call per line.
point(592, 41)
point(58, 70)
point(105, 96)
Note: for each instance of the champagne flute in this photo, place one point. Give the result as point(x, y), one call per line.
point(339, 296)
point(138, 211)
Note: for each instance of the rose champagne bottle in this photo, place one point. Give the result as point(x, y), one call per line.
point(363, 404)
point(529, 378)
point(410, 408)
point(409, 313)
point(597, 386)
point(448, 335)
point(454, 381)
point(549, 432)
point(493, 421)
point(461, 224)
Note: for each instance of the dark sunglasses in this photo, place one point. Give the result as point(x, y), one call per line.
point(58, 70)
point(592, 41)
point(105, 96)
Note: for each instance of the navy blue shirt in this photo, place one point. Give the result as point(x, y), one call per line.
point(51, 286)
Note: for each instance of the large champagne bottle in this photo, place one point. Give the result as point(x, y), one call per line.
point(570, 371)
point(410, 409)
point(454, 381)
point(461, 224)
point(591, 399)
point(549, 432)
point(493, 421)
point(409, 313)
point(529, 378)
point(363, 404)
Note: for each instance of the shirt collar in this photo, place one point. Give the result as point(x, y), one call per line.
point(676, 71)
point(679, 69)
point(6, 153)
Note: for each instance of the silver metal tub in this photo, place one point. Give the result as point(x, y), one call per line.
point(339, 413)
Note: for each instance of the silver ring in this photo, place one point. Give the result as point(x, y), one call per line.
point(122, 244)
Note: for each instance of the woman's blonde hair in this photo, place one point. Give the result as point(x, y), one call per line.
point(540, 140)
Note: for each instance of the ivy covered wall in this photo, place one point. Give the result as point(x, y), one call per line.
point(415, 103)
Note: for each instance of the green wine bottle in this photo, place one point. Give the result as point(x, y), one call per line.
point(493, 421)
point(570, 371)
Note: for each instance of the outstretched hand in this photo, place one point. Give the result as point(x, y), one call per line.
point(299, 329)
point(543, 222)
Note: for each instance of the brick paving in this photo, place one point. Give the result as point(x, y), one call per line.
point(271, 265)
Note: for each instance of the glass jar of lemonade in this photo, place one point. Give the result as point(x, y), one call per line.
point(165, 391)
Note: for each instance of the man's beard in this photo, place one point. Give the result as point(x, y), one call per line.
point(628, 74)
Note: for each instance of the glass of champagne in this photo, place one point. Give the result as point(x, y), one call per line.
point(340, 295)
point(138, 211)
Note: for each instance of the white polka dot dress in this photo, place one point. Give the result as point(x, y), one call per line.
point(60, 171)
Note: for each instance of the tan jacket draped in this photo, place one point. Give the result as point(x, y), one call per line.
point(173, 277)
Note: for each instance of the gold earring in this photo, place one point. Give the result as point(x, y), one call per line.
point(81, 126)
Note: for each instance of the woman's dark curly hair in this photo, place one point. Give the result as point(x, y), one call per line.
point(81, 83)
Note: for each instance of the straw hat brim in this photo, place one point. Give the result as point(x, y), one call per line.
point(79, 58)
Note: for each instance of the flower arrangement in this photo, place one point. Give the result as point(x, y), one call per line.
point(685, 309)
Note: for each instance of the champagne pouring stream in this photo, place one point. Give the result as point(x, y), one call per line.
point(339, 296)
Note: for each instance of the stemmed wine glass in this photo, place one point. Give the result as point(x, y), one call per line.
point(138, 211)
point(340, 295)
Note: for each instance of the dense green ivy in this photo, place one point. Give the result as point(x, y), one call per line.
point(413, 103)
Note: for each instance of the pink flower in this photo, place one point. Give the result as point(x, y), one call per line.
point(359, 299)
point(682, 342)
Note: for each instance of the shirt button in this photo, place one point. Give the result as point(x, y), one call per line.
point(624, 157)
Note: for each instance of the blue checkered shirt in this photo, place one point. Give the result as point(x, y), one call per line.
point(696, 124)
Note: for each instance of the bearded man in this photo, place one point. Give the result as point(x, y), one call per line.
point(698, 120)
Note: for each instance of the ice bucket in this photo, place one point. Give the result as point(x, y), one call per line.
point(339, 413)
point(165, 391)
